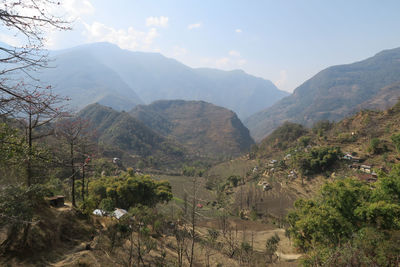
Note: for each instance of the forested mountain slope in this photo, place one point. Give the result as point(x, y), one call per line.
point(204, 127)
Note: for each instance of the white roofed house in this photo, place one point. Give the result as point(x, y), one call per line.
point(118, 213)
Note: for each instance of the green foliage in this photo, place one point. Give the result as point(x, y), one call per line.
point(305, 141)
point(192, 171)
point(18, 203)
point(107, 204)
point(15, 153)
point(366, 247)
point(396, 141)
point(18, 206)
point(283, 136)
point(234, 180)
point(376, 146)
point(321, 127)
point(12, 145)
point(271, 246)
point(212, 235)
point(253, 214)
point(127, 191)
point(87, 206)
point(319, 159)
point(188, 171)
point(346, 138)
point(104, 166)
point(351, 216)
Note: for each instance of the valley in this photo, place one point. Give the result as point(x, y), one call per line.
point(231, 134)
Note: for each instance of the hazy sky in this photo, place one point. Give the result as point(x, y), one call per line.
point(286, 42)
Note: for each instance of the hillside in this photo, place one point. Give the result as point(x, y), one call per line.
point(335, 93)
point(367, 135)
point(104, 73)
point(125, 137)
point(296, 161)
point(205, 128)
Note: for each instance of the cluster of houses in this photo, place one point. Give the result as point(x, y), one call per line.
point(117, 213)
point(352, 158)
point(367, 172)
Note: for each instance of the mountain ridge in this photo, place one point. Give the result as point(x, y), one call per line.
point(147, 77)
point(331, 94)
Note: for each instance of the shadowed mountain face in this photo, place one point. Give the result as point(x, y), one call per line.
point(121, 79)
point(334, 93)
point(205, 128)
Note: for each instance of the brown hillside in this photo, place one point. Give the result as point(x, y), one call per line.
point(207, 129)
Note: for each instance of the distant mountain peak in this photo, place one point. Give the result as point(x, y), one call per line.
point(102, 72)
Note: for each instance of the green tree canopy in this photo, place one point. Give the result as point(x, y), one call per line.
point(341, 215)
point(127, 191)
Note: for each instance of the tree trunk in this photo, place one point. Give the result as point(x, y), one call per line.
point(73, 174)
point(130, 250)
point(29, 162)
point(83, 182)
point(193, 222)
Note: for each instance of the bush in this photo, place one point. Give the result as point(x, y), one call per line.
point(305, 141)
point(376, 146)
point(234, 180)
point(350, 221)
point(317, 160)
point(396, 141)
point(346, 138)
point(18, 205)
point(126, 191)
point(321, 127)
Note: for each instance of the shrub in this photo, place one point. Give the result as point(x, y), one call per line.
point(317, 160)
point(396, 141)
point(350, 221)
point(126, 191)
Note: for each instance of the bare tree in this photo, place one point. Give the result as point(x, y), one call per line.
point(28, 21)
point(181, 236)
point(223, 222)
point(193, 220)
point(231, 243)
point(210, 244)
point(73, 131)
point(41, 108)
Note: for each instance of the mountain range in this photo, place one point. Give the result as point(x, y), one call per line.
point(121, 79)
point(334, 93)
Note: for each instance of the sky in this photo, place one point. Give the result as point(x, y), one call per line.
point(284, 41)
